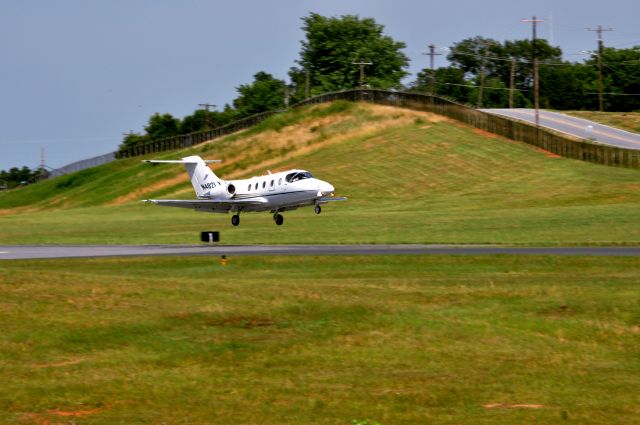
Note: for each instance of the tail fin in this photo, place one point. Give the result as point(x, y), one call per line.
point(202, 178)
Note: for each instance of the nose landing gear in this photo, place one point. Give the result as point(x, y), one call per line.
point(278, 218)
point(317, 209)
point(235, 219)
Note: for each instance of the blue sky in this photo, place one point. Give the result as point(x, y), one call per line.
point(76, 74)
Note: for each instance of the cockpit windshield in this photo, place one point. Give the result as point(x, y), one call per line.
point(299, 175)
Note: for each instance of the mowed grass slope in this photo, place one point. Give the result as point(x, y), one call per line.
point(283, 340)
point(411, 177)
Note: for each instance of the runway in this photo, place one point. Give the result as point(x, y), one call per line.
point(21, 252)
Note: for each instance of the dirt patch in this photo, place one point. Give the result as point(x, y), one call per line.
point(74, 413)
point(17, 210)
point(59, 364)
point(512, 406)
point(485, 133)
point(392, 112)
point(139, 193)
point(547, 153)
point(52, 417)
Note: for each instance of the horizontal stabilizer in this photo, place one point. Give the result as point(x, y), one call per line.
point(180, 161)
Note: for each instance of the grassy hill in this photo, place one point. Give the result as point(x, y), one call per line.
point(411, 177)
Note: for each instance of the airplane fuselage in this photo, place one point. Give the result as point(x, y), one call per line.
point(277, 191)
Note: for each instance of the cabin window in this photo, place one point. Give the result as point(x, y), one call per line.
point(272, 183)
point(264, 184)
point(249, 188)
point(279, 181)
point(256, 186)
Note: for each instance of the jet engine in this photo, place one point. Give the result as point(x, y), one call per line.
point(222, 191)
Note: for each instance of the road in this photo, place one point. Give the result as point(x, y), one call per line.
point(578, 127)
point(14, 252)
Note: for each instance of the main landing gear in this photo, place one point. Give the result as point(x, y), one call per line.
point(235, 219)
point(278, 218)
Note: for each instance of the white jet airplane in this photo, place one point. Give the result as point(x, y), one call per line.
point(276, 193)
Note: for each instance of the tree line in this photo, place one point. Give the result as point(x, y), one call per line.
point(15, 177)
point(481, 72)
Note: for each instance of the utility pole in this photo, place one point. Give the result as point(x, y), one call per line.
point(432, 53)
point(206, 107)
point(599, 31)
point(512, 81)
point(536, 91)
point(362, 65)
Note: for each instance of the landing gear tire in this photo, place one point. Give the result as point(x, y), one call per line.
point(279, 219)
point(317, 209)
point(235, 219)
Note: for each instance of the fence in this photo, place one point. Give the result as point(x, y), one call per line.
point(81, 165)
point(187, 140)
point(549, 140)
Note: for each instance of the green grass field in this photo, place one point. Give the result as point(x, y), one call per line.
point(410, 177)
point(396, 339)
point(336, 340)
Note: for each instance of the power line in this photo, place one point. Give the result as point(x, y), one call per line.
point(618, 94)
point(486, 88)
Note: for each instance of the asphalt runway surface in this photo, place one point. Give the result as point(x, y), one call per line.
point(574, 126)
point(18, 252)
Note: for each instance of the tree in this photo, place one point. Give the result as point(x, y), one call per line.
point(450, 82)
point(266, 93)
point(331, 47)
point(483, 55)
point(134, 139)
point(161, 126)
point(567, 86)
point(468, 54)
point(18, 176)
point(199, 119)
point(495, 93)
point(621, 71)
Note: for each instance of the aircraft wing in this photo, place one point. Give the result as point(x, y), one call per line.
point(208, 204)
